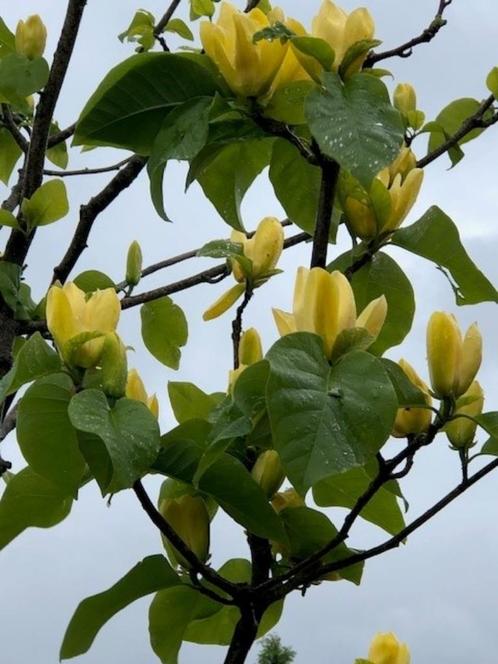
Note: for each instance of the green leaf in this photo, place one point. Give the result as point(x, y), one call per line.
point(190, 402)
point(129, 107)
point(183, 134)
point(9, 155)
point(21, 77)
point(355, 124)
point(164, 330)
point(492, 82)
point(309, 531)
point(8, 219)
point(7, 40)
point(30, 501)
point(357, 51)
point(16, 294)
point(140, 30)
point(316, 48)
point(148, 576)
point(47, 439)
point(450, 119)
point(489, 422)
point(436, 238)
point(326, 420)
point(408, 394)
point(344, 491)
point(34, 360)
point(92, 280)
point(129, 434)
point(200, 8)
point(296, 184)
point(382, 276)
point(287, 103)
point(226, 480)
point(58, 154)
point(224, 185)
point(48, 204)
point(180, 28)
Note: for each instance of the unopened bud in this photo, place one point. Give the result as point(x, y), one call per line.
point(134, 264)
point(114, 366)
point(31, 37)
point(268, 472)
point(405, 98)
point(444, 353)
point(287, 499)
point(189, 518)
point(250, 349)
point(461, 431)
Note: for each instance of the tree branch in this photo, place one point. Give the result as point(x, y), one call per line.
point(19, 242)
point(11, 125)
point(243, 638)
point(88, 171)
point(197, 566)
point(90, 212)
point(237, 324)
point(330, 174)
point(406, 49)
point(475, 121)
point(61, 136)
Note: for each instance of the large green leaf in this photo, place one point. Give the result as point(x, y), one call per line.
point(130, 105)
point(449, 121)
point(326, 420)
point(30, 501)
point(309, 531)
point(164, 330)
point(383, 276)
point(147, 577)
point(436, 238)
point(9, 154)
point(7, 40)
point(47, 439)
point(225, 173)
point(296, 183)
point(344, 490)
point(183, 134)
point(35, 359)
point(355, 124)
point(129, 434)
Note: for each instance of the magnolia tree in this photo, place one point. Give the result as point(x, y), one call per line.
point(301, 427)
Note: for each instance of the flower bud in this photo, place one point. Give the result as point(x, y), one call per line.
point(134, 264)
point(114, 366)
point(31, 37)
point(405, 98)
point(444, 353)
point(373, 317)
point(386, 649)
point(135, 389)
point(189, 518)
point(287, 499)
point(410, 421)
point(250, 349)
point(265, 247)
point(461, 431)
point(268, 472)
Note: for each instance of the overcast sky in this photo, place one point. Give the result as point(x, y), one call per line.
point(438, 593)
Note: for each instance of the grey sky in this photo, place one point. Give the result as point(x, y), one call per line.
point(438, 593)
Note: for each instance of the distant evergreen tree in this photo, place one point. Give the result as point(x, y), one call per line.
point(273, 652)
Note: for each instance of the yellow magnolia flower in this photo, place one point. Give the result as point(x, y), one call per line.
point(461, 431)
point(386, 649)
point(453, 361)
point(287, 499)
point(263, 249)
point(405, 100)
point(268, 472)
point(342, 30)
point(79, 325)
point(135, 389)
point(413, 420)
point(250, 352)
point(189, 518)
point(31, 37)
point(392, 195)
point(324, 304)
point(248, 68)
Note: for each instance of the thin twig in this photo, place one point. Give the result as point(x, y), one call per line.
point(19, 242)
point(406, 49)
point(90, 212)
point(61, 136)
point(87, 171)
point(160, 522)
point(237, 324)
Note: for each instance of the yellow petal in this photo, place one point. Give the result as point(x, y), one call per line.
point(403, 197)
point(461, 431)
point(361, 218)
point(224, 303)
point(135, 388)
point(373, 317)
point(250, 349)
point(386, 649)
point(284, 321)
point(153, 405)
point(413, 420)
point(359, 27)
point(299, 288)
point(471, 358)
point(329, 25)
point(444, 353)
point(77, 300)
point(60, 320)
point(103, 310)
point(405, 98)
point(267, 247)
